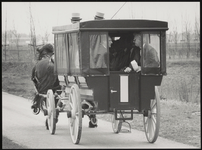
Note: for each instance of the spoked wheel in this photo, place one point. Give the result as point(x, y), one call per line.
point(51, 112)
point(116, 124)
point(152, 119)
point(76, 114)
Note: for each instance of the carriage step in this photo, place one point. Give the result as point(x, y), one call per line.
point(125, 130)
point(123, 117)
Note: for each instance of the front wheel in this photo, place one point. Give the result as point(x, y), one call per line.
point(76, 114)
point(152, 119)
point(51, 112)
point(116, 124)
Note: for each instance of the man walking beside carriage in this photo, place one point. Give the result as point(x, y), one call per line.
point(43, 76)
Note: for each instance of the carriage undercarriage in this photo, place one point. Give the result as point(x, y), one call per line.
point(72, 102)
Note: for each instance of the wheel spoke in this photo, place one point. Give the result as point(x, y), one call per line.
point(71, 105)
point(151, 133)
point(153, 104)
point(146, 118)
point(153, 119)
point(148, 128)
point(76, 127)
point(153, 126)
point(73, 126)
point(146, 124)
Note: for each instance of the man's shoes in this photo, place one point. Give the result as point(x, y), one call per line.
point(93, 121)
point(57, 114)
point(45, 112)
point(46, 124)
point(91, 125)
point(60, 104)
point(36, 109)
point(34, 106)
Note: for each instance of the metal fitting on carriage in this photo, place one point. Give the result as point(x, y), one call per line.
point(86, 105)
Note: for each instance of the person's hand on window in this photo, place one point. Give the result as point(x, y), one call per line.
point(139, 69)
point(128, 69)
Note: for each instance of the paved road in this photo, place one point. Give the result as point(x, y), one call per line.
point(25, 128)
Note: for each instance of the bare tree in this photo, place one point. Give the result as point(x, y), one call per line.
point(169, 45)
point(17, 39)
point(32, 33)
point(197, 35)
point(5, 36)
point(175, 39)
point(45, 37)
point(187, 37)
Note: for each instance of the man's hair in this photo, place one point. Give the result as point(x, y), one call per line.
point(46, 50)
point(137, 35)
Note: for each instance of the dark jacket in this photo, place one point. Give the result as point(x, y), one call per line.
point(43, 76)
point(135, 55)
point(150, 56)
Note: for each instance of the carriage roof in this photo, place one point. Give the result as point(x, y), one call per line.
point(111, 25)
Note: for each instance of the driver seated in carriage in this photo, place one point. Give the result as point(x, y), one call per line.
point(43, 75)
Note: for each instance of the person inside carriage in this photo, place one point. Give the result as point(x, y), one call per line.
point(150, 56)
point(125, 55)
point(43, 75)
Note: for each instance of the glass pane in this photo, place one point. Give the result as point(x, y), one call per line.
point(74, 52)
point(98, 50)
point(61, 54)
point(151, 50)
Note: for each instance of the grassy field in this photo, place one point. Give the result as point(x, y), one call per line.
point(179, 91)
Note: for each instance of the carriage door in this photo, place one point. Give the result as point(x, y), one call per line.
point(124, 91)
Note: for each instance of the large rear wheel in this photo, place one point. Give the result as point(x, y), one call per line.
point(51, 112)
point(152, 119)
point(75, 119)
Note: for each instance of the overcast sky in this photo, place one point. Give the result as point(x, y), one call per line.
point(49, 14)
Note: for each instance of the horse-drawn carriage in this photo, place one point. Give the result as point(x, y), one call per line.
point(82, 58)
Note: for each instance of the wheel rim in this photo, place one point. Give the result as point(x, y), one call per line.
point(51, 111)
point(152, 121)
point(76, 114)
point(116, 124)
point(36, 111)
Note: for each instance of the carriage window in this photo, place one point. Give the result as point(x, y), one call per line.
point(151, 50)
point(74, 53)
point(61, 55)
point(98, 50)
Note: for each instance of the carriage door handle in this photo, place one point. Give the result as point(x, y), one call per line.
point(113, 91)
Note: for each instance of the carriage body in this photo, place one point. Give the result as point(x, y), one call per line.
point(78, 45)
point(83, 58)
